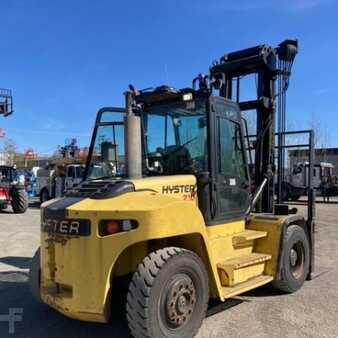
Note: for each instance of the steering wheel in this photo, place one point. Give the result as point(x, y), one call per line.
point(180, 147)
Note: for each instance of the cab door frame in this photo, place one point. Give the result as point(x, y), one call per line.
point(218, 181)
point(99, 123)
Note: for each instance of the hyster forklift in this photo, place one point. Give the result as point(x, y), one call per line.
point(188, 220)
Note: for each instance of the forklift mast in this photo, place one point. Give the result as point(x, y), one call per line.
point(6, 102)
point(269, 65)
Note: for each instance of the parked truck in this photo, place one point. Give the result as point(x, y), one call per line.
point(51, 183)
point(295, 183)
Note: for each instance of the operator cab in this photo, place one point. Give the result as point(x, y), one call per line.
point(187, 132)
point(192, 132)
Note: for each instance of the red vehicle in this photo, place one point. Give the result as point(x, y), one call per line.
point(12, 192)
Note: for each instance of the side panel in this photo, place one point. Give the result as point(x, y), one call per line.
point(275, 227)
point(181, 187)
point(216, 247)
point(271, 244)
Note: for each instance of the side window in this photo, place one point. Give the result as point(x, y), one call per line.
point(160, 132)
point(79, 172)
point(193, 134)
point(232, 200)
point(231, 161)
point(70, 172)
point(155, 132)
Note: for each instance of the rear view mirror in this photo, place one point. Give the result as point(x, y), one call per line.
point(177, 122)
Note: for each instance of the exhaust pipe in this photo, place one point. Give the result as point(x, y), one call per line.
point(133, 147)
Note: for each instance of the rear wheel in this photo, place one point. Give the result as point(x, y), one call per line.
point(44, 196)
point(34, 276)
point(168, 295)
point(19, 200)
point(295, 260)
point(3, 206)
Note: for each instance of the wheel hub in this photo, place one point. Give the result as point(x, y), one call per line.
point(297, 259)
point(180, 300)
point(293, 257)
point(181, 304)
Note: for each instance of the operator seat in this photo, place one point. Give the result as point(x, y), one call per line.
point(177, 159)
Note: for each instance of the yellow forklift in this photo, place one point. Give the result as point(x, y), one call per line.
point(187, 218)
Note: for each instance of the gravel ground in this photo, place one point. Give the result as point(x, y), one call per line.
point(310, 312)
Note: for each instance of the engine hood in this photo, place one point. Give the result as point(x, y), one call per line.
point(180, 186)
point(177, 187)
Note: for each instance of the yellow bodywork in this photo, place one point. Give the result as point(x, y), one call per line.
point(77, 273)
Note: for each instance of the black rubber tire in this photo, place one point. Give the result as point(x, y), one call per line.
point(34, 276)
point(19, 201)
point(3, 206)
point(288, 283)
point(44, 196)
point(148, 287)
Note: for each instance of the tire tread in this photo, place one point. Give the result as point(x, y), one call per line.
point(19, 201)
point(140, 288)
point(283, 284)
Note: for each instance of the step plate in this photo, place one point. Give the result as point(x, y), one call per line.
point(244, 261)
point(253, 283)
point(246, 236)
point(240, 269)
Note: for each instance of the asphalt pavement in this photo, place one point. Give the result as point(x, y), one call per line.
point(310, 312)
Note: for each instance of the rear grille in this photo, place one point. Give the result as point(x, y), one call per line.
point(101, 189)
point(86, 189)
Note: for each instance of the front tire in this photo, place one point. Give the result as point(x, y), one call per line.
point(295, 260)
point(35, 276)
point(3, 206)
point(168, 295)
point(19, 201)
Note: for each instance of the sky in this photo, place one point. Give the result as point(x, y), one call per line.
point(64, 60)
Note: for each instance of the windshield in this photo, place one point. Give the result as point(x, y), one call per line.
point(174, 141)
point(7, 174)
point(176, 138)
point(107, 158)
